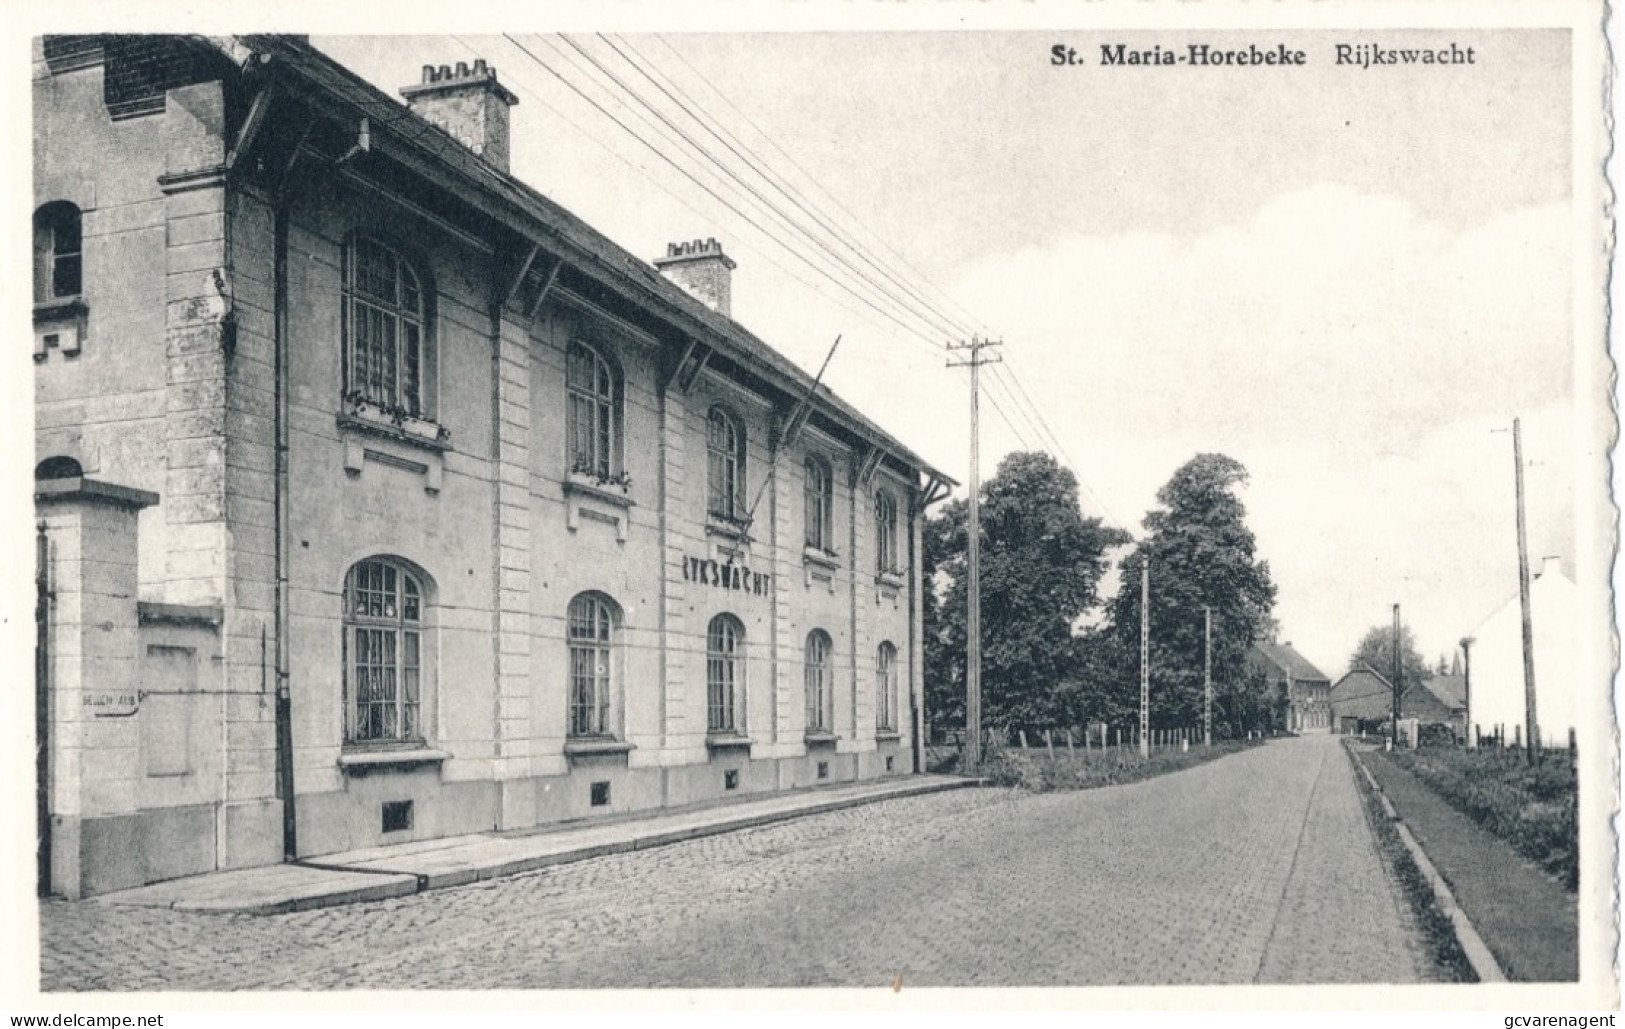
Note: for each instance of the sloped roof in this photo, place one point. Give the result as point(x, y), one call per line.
point(555, 229)
point(1290, 662)
point(1450, 689)
point(1362, 691)
point(1367, 692)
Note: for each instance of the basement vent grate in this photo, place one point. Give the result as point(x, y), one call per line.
point(397, 815)
point(600, 794)
point(823, 769)
point(730, 779)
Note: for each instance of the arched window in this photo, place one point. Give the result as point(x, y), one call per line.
point(592, 416)
point(593, 621)
point(725, 452)
point(58, 468)
point(384, 327)
point(820, 505)
point(58, 252)
point(383, 642)
point(820, 683)
point(885, 532)
point(886, 688)
point(725, 674)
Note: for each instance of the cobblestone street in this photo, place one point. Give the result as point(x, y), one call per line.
point(1256, 868)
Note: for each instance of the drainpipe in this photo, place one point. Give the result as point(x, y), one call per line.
point(42, 705)
point(284, 701)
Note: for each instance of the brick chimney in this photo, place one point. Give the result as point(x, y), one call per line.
point(703, 271)
point(469, 104)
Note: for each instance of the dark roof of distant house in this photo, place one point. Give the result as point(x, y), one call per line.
point(1440, 695)
point(1450, 689)
point(1360, 675)
point(1289, 661)
point(572, 239)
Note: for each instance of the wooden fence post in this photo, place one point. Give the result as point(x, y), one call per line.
point(1049, 745)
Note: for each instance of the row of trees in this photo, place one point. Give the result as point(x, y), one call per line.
point(1054, 655)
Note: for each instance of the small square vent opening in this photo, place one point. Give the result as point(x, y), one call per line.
point(823, 769)
point(730, 779)
point(397, 815)
point(600, 794)
point(889, 761)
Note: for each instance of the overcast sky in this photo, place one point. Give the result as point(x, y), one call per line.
point(1349, 280)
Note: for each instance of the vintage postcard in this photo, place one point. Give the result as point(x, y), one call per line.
point(816, 505)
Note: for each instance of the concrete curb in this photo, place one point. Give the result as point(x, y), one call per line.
point(402, 882)
point(1472, 944)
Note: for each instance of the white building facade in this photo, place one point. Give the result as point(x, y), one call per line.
point(382, 499)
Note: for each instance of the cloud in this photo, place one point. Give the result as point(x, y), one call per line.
point(1364, 363)
point(1327, 313)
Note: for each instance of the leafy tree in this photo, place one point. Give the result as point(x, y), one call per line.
point(942, 553)
point(1202, 555)
point(1376, 648)
point(1041, 567)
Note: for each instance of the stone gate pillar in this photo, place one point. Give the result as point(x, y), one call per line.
point(94, 740)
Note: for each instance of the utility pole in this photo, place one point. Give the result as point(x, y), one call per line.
point(1467, 689)
point(1207, 677)
point(1531, 750)
point(973, 594)
point(1145, 657)
point(1393, 704)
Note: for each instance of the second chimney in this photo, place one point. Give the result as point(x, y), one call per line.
point(469, 104)
point(703, 271)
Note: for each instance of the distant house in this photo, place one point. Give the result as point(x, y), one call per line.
point(1497, 660)
point(1446, 702)
point(1362, 700)
point(1305, 687)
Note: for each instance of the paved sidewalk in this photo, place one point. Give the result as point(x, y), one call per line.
point(1528, 921)
point(380, 873)
point(1255, 868)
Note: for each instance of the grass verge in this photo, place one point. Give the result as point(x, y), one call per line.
point(1533, 809)
point(1437, 930)
point(1037, 771)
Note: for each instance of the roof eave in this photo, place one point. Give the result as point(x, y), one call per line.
point(556, 230)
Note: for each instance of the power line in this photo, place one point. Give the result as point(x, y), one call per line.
point(814, 181)
point(714, 194)
point(788, 190)
point(1017, 409)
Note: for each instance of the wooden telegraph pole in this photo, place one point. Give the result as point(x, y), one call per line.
point(1467, 688)
point(1145, 657)
point(1207, 677)
point(1531, 727)
point(973, 594)
point(1393, 703)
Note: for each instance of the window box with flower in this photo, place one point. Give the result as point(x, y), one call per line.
point(368, 415)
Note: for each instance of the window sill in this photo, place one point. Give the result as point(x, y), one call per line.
point(725, 529)
point(821, 737)
point(60, 309)
point(892, 579)
point(728, 741)
point(588, 485)
point(366, 760)
point(887, 735)
point(595, 748)
point(822, 558)
point(417, 432)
